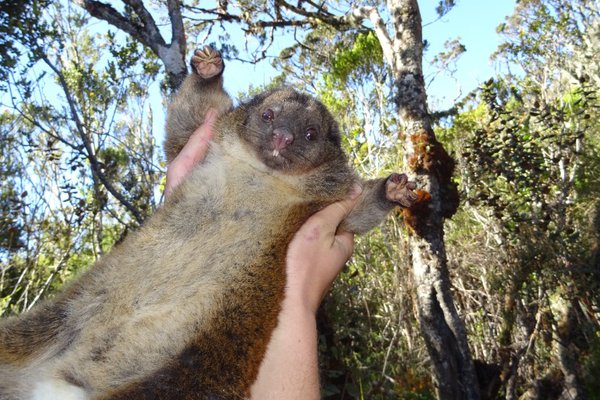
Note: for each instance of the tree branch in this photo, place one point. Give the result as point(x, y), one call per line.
point(147, 33)
point(177, 28)
point(221, 16)
point(312, 17)
point(372, 14)
point(150, 29)
point(109, 14)
point(89, 151)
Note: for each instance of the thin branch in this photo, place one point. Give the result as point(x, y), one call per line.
point(149, 27)
point(313, 16)
point(450, 112)
point(220, 16)
point(96, 169)
point(320, 8)
point(60, 265)
point(38, 125)
point(372, 14)
point(279, 23)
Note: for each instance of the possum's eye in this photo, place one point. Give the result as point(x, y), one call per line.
point(268, 115)
point(310, 134)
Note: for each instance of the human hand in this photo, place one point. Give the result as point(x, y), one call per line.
point(192, 153)
point(317, 254)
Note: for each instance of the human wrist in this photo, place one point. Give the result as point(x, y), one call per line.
point(292, 351)
point(300, 304)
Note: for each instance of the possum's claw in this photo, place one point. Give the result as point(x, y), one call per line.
point(400, 190)
point(207, 62)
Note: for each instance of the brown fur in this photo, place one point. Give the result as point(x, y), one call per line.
point(184, 308)
point(255, 305)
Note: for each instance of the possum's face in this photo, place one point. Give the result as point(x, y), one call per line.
point(291, 131)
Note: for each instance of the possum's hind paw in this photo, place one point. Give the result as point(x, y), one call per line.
point(207, 62)
point(400, 190)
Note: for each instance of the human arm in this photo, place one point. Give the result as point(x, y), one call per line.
point(315, 257)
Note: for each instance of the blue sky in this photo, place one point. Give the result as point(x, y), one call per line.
point(473, 21)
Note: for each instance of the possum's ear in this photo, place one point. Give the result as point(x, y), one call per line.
point(256, 100)
point(329, 123)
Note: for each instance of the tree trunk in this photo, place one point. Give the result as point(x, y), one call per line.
point(567, 352)
point(443, 330)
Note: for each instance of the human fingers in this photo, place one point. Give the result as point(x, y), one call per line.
point(331, 216)
point(195, 149)
point(344, 241)
point(192, 153)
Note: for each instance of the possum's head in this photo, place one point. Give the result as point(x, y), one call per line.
point(291, 131)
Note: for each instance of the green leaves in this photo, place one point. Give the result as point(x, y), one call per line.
point(526, 148)
point(22, 32)
point(78, 123)
point(359, 59)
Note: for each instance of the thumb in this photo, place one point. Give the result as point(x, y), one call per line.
point(335, 213)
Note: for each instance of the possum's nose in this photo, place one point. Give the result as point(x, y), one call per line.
point(282, 138)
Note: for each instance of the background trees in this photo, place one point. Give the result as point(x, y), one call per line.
point(80, 165)
point(79, 158)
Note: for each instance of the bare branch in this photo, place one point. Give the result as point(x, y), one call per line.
point(372, 14)
point(36, 123)
point(220, 16)
point(55, 271)
point(149, 28)
point(319, 7)
point(109, 14)
point(313, 17)
point(177, 28)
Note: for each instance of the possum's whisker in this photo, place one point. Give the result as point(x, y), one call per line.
point(298, 153)
point(247, 129)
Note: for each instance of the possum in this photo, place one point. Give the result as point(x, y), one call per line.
point(184, 307)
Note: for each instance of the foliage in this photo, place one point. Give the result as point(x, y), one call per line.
point(592, 369)
point(526, 148)
point(79, 166)
point(21, 28)
point(11, 199)
point(358, 60)
point(370, 348)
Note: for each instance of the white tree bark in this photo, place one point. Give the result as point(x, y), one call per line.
point(443, 330)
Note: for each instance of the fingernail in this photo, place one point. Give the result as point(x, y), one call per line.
point(356, 191)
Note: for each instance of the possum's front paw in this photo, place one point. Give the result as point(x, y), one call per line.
point(207, 62)
point(400, 190)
